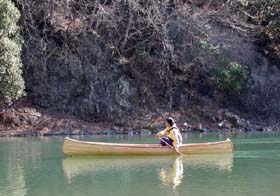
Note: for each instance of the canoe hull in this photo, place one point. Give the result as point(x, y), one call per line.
point(73, 147)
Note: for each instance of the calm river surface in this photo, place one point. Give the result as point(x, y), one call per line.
point(35, 166)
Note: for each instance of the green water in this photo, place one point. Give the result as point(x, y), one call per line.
point(36, 167)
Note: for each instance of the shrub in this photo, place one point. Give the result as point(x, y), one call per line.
point(11, 81)
point(229, 76)
point(266, 13)
point(270, 15)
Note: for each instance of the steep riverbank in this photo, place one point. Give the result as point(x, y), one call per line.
point(126, 65)
point(25, 119)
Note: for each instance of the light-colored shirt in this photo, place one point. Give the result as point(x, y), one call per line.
point(174, 134)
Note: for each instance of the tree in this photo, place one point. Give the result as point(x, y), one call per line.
point(270, 15)
point(266, 13)
point(11, 81)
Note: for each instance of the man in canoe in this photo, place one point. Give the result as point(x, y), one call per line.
point(171, 135)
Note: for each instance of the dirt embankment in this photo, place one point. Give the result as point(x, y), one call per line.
point(25, 119)
point(131, 63)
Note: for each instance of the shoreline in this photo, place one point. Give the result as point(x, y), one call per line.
point(112, 132)
point(24, 119)
point(120, 131)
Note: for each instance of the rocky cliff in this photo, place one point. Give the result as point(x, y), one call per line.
point(121, 60)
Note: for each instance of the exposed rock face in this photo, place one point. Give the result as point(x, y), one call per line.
point(260, 96)
point(71, 67)
point(92, 87)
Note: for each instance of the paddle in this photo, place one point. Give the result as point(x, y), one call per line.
point(172, 147)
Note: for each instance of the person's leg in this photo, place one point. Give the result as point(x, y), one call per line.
point(167, 140)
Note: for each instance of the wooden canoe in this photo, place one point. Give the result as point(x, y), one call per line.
point(73, 147)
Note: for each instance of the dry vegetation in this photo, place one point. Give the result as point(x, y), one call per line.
point(119, 59)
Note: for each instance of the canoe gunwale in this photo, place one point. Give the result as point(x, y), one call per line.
point(144, 145)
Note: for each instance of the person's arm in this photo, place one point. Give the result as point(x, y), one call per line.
point(162, 133)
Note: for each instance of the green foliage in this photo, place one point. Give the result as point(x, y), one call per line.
point(228, 76)
point(212, 50)
point(11, 81)
point(268, 12)
point(9, 16)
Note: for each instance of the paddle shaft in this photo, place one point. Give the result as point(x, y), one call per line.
point(171, 146)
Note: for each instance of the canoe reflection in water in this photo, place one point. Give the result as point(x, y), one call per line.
point(170, 169)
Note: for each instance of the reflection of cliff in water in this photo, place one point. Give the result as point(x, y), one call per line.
point(171, 168)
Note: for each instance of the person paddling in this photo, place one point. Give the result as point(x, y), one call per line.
point(171, 135)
